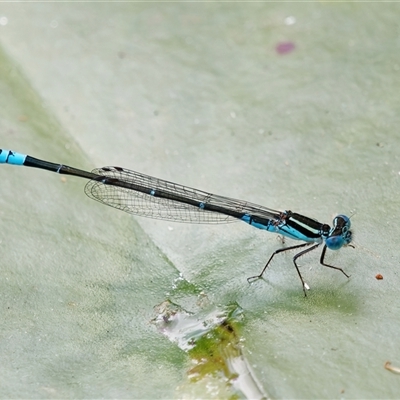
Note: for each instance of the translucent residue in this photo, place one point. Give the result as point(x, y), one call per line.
point(177, 281)
point(3, 21)
point(218, 367)
point(183, 327)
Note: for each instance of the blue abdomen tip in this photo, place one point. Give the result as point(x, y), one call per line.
point(11, 157)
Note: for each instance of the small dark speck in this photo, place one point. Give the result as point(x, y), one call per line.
point(156, 112)
point(379, 144)
point(121, 54)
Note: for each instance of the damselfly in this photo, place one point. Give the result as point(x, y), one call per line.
point(143, 195)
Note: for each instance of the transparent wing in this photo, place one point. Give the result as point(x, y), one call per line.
point(129, 191)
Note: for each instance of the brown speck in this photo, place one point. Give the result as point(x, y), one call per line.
point(388, 366)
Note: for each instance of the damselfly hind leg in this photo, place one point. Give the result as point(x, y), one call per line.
point(297, 267)
point(299, 246)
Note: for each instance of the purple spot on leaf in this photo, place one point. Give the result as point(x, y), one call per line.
point(285, 47)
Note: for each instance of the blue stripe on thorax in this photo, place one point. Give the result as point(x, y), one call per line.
point(293, 233)
point(281, 227)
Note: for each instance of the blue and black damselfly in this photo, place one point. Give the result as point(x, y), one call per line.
point(146, 196)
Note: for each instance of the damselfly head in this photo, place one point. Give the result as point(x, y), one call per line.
point(340, 234)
